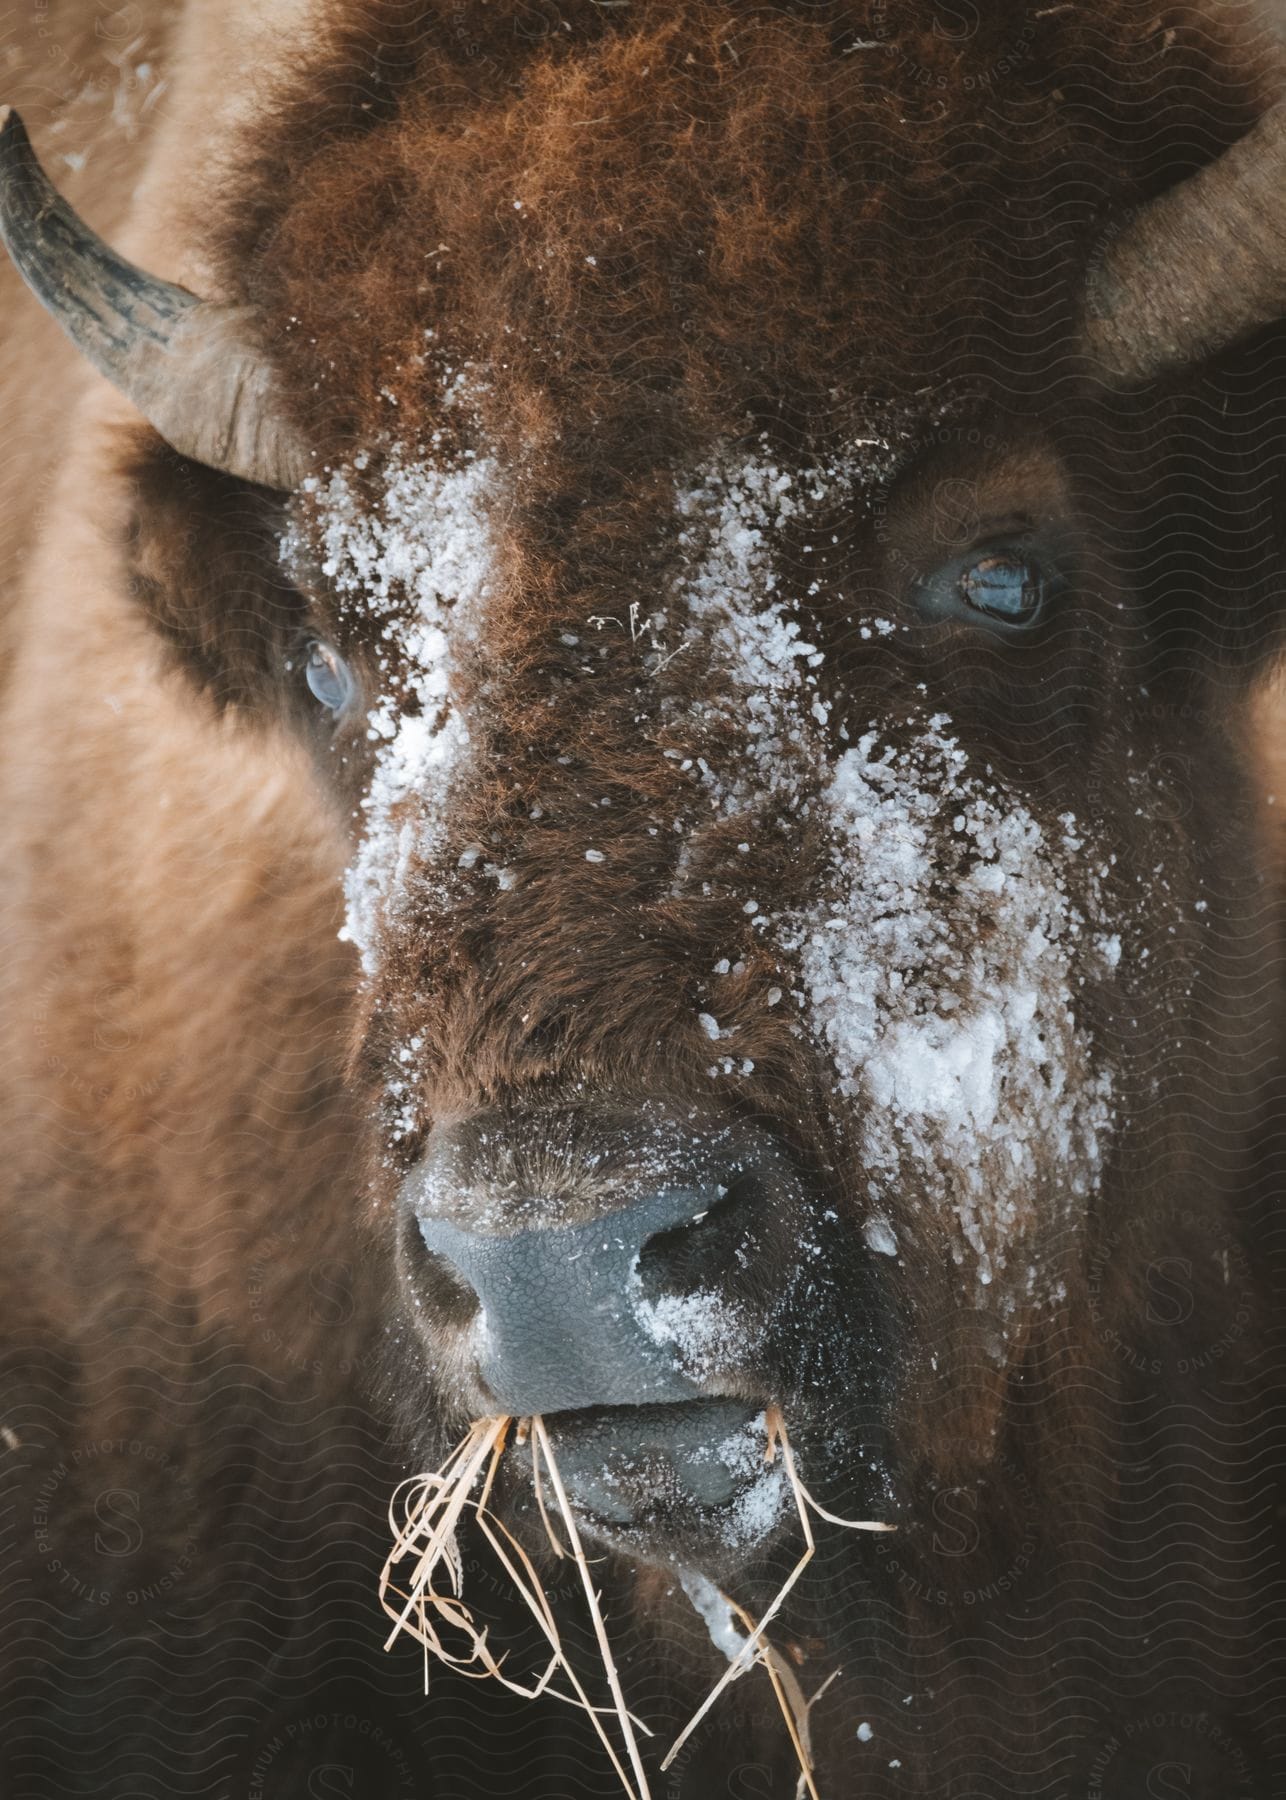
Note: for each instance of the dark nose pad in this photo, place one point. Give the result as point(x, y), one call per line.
point(560, 1315)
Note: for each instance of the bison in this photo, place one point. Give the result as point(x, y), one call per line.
point(640, 732)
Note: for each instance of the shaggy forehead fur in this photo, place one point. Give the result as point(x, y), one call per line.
point(652, 218)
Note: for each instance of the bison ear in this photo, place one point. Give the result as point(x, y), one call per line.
point(192, 368)
point(201, 559)
point(1192, 498)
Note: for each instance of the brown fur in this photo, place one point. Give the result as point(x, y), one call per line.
point(784, 225)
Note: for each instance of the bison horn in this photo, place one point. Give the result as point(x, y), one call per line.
point(1197, 268)
point(191, 367)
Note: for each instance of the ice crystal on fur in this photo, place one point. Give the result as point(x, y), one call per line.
point(422, 563)
point(731, 515)
point(940, 962)
point(941, 974)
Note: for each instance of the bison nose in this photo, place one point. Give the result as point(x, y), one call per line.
point(558, 1326)
point(577, 1271)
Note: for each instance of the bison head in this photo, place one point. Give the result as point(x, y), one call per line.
point(766, 565)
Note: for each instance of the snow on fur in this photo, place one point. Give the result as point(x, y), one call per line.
point(731, 513)
point(941, 973)
point(423, 563)
point(939, 966)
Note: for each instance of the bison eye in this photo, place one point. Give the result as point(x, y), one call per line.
point(1009, 585)
point(1010, 588)
point(329, 677)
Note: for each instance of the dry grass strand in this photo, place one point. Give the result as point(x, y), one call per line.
point(433, 1507)
point(432, 1612)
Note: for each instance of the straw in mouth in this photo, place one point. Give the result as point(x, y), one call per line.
point(423, 1577)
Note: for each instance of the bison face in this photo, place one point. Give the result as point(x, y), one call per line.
point(784, 887)
point(765, 595)
point(749, 882)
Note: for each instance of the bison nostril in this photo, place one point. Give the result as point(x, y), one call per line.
point(578, 1266)
point(699, 1252)
point(435, 1286)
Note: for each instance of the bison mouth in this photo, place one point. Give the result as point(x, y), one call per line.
point(694, 1485)
point(664, 1480)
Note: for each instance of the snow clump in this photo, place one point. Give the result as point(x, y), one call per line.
point(422, 562)
point(940, 971)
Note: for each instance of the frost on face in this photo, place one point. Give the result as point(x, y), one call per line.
point(421, 562)
point(763, 1491)
point(939, 967)
point(704, 1331)
point(941, 972)
point(731, 516)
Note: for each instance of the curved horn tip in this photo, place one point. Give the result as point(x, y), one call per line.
point(12, 129)
point(193, 368)
point(13, 133)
